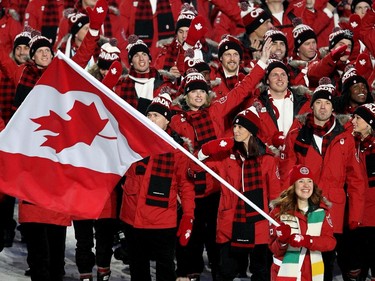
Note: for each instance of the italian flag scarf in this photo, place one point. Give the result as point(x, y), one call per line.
point(290, 268)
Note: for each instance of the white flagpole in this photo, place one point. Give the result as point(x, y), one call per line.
point(161, 133)
point(227, 185)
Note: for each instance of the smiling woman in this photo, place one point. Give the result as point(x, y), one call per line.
point(305, 228)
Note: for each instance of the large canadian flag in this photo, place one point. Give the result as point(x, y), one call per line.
point(71, 141)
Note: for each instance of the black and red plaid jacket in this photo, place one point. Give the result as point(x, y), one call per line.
point(50, 14)
point(7, 91)
point(30, 75)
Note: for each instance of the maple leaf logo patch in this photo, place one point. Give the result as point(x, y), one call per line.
point(100, 10)
point(354, 24)
point(85, 124)
point(198, 26)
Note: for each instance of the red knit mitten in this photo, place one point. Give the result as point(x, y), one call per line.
point(299, 240)
point(98, 14)
point(216, 146)
point(197, 30)
point(184, 230)
point(337, 53)
point(283, 232)
point(363, 65)
point(278, 139)
point(113, 74)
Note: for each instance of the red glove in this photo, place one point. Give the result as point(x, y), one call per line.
point(278, 139)
point(355, 25)
point(353, 225)
point(363, 65)
point(113, 74)
point(98, 14)
point(216, 146)
point(184, 230)
point(337, 53)
point(299, 240)
point(197, 30)
point(283, 232)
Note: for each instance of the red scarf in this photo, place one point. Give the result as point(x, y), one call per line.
point(243, 233)
point(172, 52)
point(126, 89)
point(275, 110)
point(305, 136)
point(144, 26)
point(160, 181)
point(203, 127)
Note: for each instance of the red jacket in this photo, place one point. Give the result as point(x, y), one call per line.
point(218, 112)
point(231, 171)
point(34, 13)
point(367, 161)
point(136, 212)
point(319, 22)
point(338, 174)
point(295, 9)
point(268, 122)
point(9, 28)
point(223, 24)
point(325, 242)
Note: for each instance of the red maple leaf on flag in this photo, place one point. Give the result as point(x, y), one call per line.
point(85, 124)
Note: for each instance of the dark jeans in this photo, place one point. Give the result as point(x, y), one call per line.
point(362, 251)
point(151, 244)
point(190, 258)
point(45, 251)
point(231, 260)
point(341, 252)
point(84, 234)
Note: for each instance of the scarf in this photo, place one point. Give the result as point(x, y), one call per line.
point(160, 181)
point(367, 146)
point(243, 232)
point(290, 267)
point(171, 56)
point(307, 132)
point(231, 81)
point(204, 132)
point(127, 89)
point(144, 26)
point(203, 127)
point(283, 109)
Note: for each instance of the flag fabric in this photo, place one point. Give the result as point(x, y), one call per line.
point(72, 140)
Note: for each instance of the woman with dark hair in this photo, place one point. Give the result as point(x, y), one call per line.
point(362, 238)
point(305, 229)
point(250, 167)
point(201, 120)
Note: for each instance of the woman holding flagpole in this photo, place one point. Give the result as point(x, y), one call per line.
point(305, 229)
point(248, 165)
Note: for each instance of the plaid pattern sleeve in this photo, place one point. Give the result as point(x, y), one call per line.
point(30, 76)
point(7, 89)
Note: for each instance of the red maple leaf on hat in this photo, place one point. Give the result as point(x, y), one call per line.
point(85, 124)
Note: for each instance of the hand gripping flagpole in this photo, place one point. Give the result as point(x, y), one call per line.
point(227, 185)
